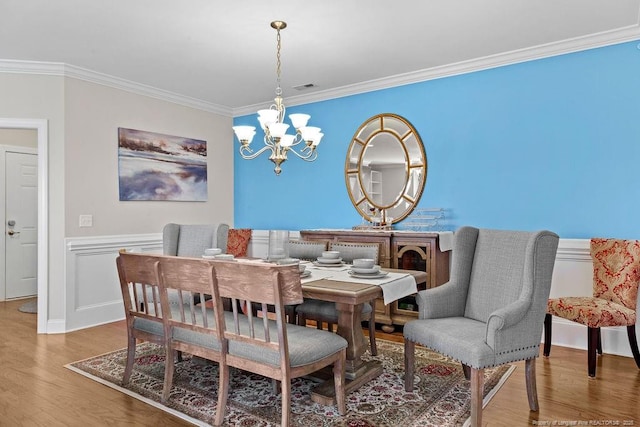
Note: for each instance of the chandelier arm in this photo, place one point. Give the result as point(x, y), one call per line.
point(312, 157)
point(304, 156)
point(253, 155)
point(297, 140)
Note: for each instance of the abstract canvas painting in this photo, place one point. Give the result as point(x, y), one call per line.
point(153, 166)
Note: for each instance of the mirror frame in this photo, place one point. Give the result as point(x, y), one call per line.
point(402, 131)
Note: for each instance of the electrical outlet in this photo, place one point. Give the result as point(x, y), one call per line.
point(86, 221)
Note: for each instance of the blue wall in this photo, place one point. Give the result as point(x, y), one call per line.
point(551, 143)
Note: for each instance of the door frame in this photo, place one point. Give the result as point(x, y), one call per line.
point(41, 126)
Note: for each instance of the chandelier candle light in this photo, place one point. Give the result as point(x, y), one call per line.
point(276, 138)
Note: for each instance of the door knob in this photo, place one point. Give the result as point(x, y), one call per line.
point(12, 232)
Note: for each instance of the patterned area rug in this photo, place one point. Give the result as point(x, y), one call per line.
point(29, 307)
point(440, 398)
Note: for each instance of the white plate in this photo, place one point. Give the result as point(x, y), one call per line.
point(321, 264)
point(374, 270)
point(329, 260)
point(305, 273)
point(209, 256)
point(380, 275)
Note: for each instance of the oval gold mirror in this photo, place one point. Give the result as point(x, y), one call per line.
point(385, 169)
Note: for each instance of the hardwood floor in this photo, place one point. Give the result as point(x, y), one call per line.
point(37, 390)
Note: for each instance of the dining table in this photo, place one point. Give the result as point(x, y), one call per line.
point(349, 292)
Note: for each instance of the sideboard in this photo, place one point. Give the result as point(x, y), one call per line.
point(406, 250)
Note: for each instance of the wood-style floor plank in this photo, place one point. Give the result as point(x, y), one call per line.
point(37, 390)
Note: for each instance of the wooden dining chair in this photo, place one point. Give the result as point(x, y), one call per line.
point(274, 348)
point(616, 275)
point(142, 306)
point(197, 329)
point(269, 347)
point(325, 311)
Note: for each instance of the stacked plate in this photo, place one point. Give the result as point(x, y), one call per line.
point(328, 262)
point(368, 273)
point(305, 273)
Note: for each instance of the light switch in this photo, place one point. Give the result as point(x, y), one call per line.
point(86, 220)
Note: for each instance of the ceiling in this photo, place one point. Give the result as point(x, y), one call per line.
point(222, 53)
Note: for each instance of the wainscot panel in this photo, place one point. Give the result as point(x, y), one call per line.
point(92, 288)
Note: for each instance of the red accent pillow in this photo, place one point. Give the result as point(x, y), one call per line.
point(238, 241)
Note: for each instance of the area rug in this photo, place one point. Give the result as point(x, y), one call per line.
point(29, 307)
point(440, 398)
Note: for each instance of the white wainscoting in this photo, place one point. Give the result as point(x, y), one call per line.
point(93, 293)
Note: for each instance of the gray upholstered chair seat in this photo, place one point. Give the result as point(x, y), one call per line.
point(457, 337)
point(154, 326)
point(306, 345)
point(312, 308)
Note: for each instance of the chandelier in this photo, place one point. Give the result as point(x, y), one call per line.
point(276, 139)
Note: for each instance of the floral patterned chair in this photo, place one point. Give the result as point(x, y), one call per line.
point(616, 274)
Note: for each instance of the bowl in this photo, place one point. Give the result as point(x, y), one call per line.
point(212, 251)
point(330, 254)
point(364, 263)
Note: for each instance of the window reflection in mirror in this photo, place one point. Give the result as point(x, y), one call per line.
point(383, 169)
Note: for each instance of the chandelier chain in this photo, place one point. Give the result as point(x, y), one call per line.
point(278, 62)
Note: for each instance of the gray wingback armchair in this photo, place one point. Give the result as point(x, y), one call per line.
point(191, 240)
point(492, 310)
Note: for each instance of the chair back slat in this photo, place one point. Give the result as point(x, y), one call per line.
point(261, 284)
point(181, 281)
point(139, 286)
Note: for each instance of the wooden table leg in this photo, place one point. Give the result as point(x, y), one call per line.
point(349, 328)
point(357, 372)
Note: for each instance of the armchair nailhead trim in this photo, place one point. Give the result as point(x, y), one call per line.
point(518, 359)
point(519, 349)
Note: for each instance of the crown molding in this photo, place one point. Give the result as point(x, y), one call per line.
point(66, 70)
point(577, 44)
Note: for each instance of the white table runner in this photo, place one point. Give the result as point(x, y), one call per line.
point(394, 285)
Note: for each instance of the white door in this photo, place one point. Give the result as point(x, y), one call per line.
point(21, 215)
